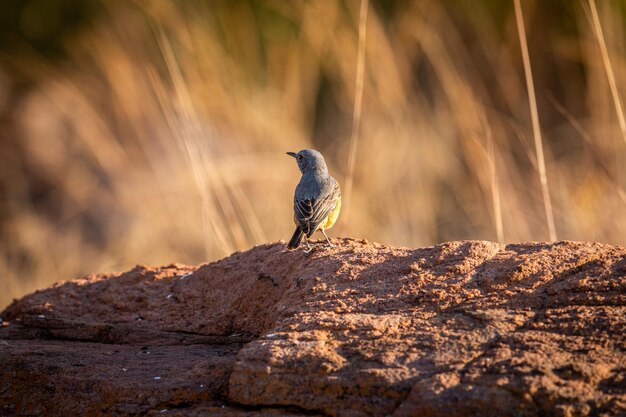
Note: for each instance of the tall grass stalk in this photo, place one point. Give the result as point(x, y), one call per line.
point(608, 68)
point(541, 165)
point(495, 188)
point(358, 104)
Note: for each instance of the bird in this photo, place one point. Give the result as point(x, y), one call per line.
point(317, 199)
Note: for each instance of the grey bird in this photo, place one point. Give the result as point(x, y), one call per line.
point(317, 199)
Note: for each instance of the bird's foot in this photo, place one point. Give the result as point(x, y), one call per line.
point(309, 248)
point(327, 247)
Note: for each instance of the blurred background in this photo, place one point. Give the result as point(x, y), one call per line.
point(151, 132)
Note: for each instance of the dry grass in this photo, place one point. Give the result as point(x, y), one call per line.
point(534, 114)
point(160, 137)
point(357, 110)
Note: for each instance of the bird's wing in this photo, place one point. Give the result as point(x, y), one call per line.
point(310, 213)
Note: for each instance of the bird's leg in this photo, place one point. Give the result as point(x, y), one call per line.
point(327, 239)
point(308, 245)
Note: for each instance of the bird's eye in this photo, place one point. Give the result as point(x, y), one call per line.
point(300, 157)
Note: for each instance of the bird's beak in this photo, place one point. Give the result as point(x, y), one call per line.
point(292, 154)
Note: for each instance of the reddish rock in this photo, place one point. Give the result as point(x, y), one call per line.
point(459, 329)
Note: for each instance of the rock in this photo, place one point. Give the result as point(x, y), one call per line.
point(460, 329)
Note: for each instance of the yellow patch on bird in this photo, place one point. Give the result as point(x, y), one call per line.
point(332, 216)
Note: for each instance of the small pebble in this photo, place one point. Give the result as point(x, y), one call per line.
point(156, 378)
point(169, 296)
point(124, 369)
point(41, 316)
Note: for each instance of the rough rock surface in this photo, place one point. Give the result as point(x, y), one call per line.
point(462, 328)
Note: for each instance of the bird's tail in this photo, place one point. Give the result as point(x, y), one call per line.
point(295, 239)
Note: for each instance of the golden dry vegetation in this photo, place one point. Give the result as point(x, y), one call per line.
point(155, 131)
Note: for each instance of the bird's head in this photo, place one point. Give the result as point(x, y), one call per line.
point(309, 160)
